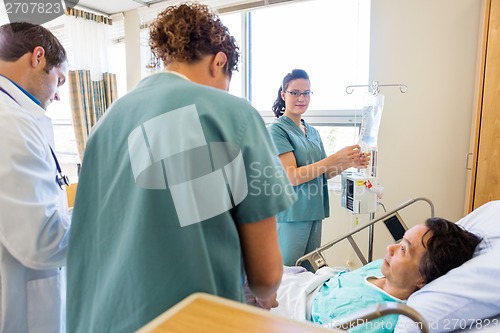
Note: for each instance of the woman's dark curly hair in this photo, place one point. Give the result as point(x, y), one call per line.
point(448, 247)
point(190, 31)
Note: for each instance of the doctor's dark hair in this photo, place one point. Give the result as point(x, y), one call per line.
point(279, 104)
point(190, 31)
point(19, 38)
point(448, 247)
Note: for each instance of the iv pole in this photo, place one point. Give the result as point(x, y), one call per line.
point(375, 90)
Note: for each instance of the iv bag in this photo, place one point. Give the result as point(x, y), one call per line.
point(370, 122)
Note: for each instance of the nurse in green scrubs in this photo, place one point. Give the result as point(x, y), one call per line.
point(303, 156)
point(172, 193)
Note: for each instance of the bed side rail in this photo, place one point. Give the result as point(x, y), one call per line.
point(316, 258)
point(377, 311)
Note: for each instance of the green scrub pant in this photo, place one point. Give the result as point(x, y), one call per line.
point(298, 238)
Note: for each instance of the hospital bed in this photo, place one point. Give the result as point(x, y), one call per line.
point(466, 299)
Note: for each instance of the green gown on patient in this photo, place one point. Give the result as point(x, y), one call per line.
point(349, 292)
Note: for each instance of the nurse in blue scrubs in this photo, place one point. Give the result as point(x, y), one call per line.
point(303, 156)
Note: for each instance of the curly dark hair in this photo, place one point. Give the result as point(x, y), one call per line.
point(190, 31)
point(279, 104)
point(448, 247)
point(19, 38)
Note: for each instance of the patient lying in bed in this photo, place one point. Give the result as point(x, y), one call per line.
point(426, 252)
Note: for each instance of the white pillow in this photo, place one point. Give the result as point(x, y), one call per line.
point(469, 292)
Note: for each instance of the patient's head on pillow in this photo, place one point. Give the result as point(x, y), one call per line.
point(448, 247)
point(426, 252)
point(468, 293)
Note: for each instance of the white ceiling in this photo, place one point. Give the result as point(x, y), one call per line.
point(110, 6)
point(118, 6)
point(152, 7)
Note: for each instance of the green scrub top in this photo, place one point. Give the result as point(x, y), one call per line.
point(150, 225)
point(312, 203)
point(349, 292)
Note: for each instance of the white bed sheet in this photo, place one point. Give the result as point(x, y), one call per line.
point(297, 289)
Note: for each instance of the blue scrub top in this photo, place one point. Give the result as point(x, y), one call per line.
point(312, 203)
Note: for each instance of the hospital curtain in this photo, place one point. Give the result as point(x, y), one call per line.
point(92, 87)
point(89, 101)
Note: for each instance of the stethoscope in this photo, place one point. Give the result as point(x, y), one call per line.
point(61, 179)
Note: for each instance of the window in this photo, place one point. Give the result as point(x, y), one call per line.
point(117, 52)
point(327, 38)
point(235, 22)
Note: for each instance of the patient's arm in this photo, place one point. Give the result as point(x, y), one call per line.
point(262, 259)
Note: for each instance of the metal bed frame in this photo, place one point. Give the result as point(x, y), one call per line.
point(316, 258)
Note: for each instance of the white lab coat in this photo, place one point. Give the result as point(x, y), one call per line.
point(34, 226)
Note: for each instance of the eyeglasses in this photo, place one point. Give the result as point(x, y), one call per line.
point(297, 93)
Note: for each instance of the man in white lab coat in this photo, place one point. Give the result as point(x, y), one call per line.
point(33, 223)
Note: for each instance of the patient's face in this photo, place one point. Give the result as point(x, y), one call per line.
point(402, 260)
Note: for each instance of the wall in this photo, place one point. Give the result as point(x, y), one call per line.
point(431, 47)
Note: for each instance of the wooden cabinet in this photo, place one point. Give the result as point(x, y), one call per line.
point(483, 183)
